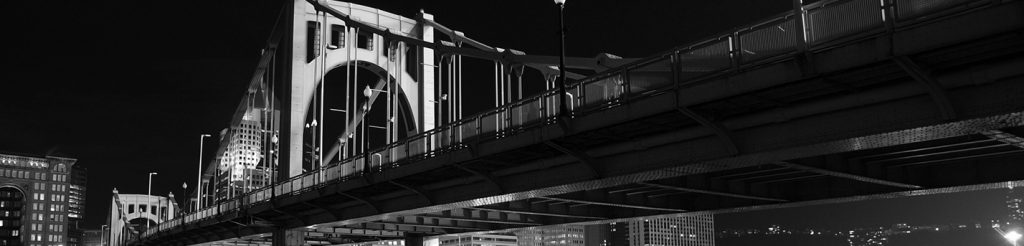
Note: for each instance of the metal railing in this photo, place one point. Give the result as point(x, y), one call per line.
point(774, 39)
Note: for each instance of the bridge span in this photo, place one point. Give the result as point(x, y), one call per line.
point(837, 100)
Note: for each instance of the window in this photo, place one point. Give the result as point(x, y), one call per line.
point(312, 40)
point(337, 37)
point(365, 41)
point(131, 208)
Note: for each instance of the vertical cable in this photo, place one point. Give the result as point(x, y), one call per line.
point(459, 92)
point(323, 88)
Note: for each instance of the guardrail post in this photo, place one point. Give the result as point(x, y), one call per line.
point(803, 57)
point(889, 16)
point(801, 20)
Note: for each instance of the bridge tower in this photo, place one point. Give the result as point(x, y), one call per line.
point(318, 43)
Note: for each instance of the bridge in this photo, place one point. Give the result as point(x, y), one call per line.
point(835, 101)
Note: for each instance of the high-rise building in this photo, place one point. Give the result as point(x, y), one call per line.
point(1015, 206)
point(76, 205)
point(34, 193)
point(240, 161)
point(693, 230)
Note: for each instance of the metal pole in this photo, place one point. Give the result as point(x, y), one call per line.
point(149, 198)
point(199, 174)
point(563, 109)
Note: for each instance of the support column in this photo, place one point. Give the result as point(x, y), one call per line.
point(426, 77)
point(286, 237)
point(293, 113)
point(298, 88)
point(413, 239)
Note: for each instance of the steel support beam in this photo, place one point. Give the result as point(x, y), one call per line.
point(508, 222)
point(330, 212)
point(932, 86)
point(486, 177)
point(609, 204)
point(292, 215)
point(384, 225)
point(361, 200)
point(1004, 137)
point(513, 211)
point(676, 188)
point(584, 159)
point(846, 175)
point(421, 194)
point(715, 127)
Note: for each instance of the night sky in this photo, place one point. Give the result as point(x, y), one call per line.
point(126, 87)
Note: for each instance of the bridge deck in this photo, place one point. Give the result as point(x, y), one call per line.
point(928, 98)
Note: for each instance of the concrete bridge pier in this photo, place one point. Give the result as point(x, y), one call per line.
point(286, 237)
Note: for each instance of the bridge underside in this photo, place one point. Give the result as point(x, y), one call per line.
point(930, 106)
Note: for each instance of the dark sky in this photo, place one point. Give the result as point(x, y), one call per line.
point(126, 87)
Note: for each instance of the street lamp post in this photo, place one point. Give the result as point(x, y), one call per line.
point(199, 174)
point(563, 109)
point(149, 192)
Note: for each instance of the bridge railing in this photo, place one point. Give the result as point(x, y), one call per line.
point(826, 23)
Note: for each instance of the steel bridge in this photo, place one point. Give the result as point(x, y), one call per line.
point(837, 100)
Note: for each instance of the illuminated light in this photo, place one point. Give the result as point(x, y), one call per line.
point(1012, 236)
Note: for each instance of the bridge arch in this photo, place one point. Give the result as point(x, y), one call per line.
point(337, 99)
point(322, 43)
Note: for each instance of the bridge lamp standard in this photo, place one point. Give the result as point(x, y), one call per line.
point(1011, 236)
point(563, 109)
point(199, 172)
point(149, 198)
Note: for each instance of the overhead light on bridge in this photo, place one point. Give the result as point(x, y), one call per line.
point(1012, 236)
point(559, 1)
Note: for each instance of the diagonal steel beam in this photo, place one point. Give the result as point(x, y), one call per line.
point(361, 200)
point(846, 175)
point(931, 85)
point(676, 188)
point(422, 194)
point(481, 220)
point(513, 211)
point(614, 204)
point(583, 158)
point(1004, 137)
point(353, 124)
point(487, 177)
point(722, 132)
point(385, 224)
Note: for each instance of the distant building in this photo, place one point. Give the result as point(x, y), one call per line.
point(34, 199)
point(131, 215)
point(694, 230)
point(478, 240)
point(240, 165)
point(92, 237)
point(1015, 206)
point(597, 235)
point(569, 235)
point(76, 205)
